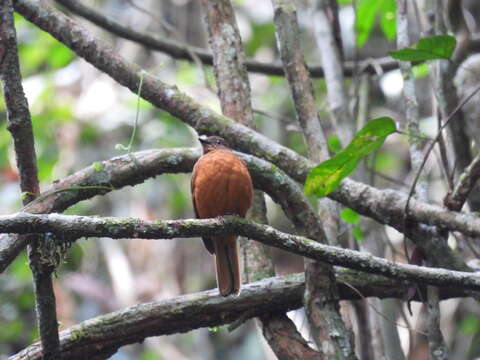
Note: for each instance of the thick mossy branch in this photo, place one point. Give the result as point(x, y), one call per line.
point(123, 171)
point(106, 333)
point(108, 175)
point(84, 226)
point(385, 206)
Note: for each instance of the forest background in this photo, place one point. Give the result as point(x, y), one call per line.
point(94, 134)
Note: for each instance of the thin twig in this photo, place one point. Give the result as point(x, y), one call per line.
point(432, 144)
point(380, 313)
point(466, 182)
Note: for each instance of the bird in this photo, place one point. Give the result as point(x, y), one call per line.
point(221, 185)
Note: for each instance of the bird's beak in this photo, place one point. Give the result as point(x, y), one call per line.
point(203, 139)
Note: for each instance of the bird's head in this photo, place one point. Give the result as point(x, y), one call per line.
point(210, 143)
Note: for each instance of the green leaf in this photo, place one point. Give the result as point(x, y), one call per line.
point(326, 176)
point(39, 50)
point(470, 325)
point(121, 147)
point(334, 145)
point(430, 48)
point(19, 269)
point(262, 35)
point(148, 355)
point(388, 19)
point(25, 194)
point(350, 216)
point(98, 166)
point(357, 233)
point(368, 11)
point(365, 19)
point(215, 329)
point(371, 136)
point(387, 162)
point(421, 70)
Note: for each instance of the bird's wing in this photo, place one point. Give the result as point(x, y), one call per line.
point(206, 240)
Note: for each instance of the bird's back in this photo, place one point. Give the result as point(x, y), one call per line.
point(221, 185)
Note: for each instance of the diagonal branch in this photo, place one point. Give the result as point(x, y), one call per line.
point(466, 182)
point(385, 206)
point(442, 74)
point(137, 167)
point(116, 228)
point(179, 50)
point(106, 333)
point(114, 174)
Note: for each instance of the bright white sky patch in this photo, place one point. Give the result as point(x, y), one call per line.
point(392, 83)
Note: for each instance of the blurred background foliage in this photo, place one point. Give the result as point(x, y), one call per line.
point(80, 114)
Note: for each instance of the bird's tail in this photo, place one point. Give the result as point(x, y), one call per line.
point(227, 265)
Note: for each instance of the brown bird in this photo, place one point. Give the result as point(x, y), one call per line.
point(221, 185)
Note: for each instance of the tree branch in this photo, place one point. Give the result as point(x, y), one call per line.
point(137, 167)
point(436, 343)
point(372, 202)
point(288, 40)
point(20, 126)
point(179, 50)
point(442, 74)
point(285, 340)
point(116, 228)
point(206, 121)
point(466, 182)
point(321, 295)
point(106, 333)
point(385, 206)
point(331, 52)
point(113, 174)
point(235, 98)
point(412, 117)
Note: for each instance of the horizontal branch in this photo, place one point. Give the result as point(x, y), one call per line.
point(106, 333)
point(385, 206)
point(135, 168)
point(178, 50)
point(84, 226)
point(105, 176)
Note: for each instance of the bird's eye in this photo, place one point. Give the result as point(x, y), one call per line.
point(218, 142)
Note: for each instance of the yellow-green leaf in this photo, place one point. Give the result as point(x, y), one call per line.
point(326, 176)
